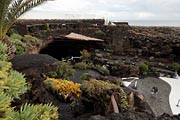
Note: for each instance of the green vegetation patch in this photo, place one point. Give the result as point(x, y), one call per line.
point(98, 90)
point(12, 85)
point(64, 70)
point(24, 44)
point(144, 68)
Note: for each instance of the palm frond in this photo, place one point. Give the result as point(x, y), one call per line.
point(11, 10)
point(3, 9)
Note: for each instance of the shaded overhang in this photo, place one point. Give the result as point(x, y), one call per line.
point(79, 37)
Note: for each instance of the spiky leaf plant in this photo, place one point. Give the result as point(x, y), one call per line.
point(12, 85)
point(12, 82)
point(3, 55)
point(4, 102)
point(35, 112)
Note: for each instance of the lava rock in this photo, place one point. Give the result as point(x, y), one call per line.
point(34, 64)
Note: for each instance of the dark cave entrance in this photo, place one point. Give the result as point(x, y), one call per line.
point(176, 51)
point(66, 48)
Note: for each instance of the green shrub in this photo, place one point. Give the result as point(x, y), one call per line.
point(24, 44)
point(81, 66)
point(90, 65)
point(114, 68)
point(64, 70)
point(31, 41)
point(15, 36)
point(119, 82)
point(16, 39)
point(153, 69)
point(144, 68)
point(97, 89)
point(174, 66)
point(101, 69)
point(84, 76)
point(46, 26)
point(85, 54)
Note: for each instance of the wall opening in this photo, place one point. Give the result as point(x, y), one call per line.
point(67, 48)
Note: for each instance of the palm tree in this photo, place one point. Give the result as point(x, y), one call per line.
point(10, 11)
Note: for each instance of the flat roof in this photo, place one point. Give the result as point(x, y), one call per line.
point(75, 36)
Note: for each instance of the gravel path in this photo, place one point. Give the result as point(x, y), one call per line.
point(159, 103)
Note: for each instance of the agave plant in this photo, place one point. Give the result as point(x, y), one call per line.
point(11, 10)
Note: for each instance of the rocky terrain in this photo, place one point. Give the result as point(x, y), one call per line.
point(160, 42)
point(143, 52)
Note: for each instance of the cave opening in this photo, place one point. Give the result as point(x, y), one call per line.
point(176, 51)
point(67, 48)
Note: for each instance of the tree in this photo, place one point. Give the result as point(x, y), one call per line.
point(11, 10)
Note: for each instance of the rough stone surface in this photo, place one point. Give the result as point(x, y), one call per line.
point(155, 41)
point(140, 104)
point(34, 64)
point(97, 117)
point(131, 115)
point(166, 116)
point(123, 70)
point(160, 102)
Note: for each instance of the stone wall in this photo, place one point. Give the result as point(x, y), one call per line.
point(122, 38)
point(116, 37)
point(155, 41)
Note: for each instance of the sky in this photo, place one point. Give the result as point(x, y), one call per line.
point(107, 9)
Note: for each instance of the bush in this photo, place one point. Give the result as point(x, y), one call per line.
point(174, 66)
point(64, 87)
point(85, 76)
point(46, 26)
point(85, 54)
point(24, 44)
point(64, 70)
point(16, 39)
point(144, 68)
point(84, 66)
point(31, 41)
point(81, 66)
point(98, 89)
point(153, 69)
point(101, 69)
